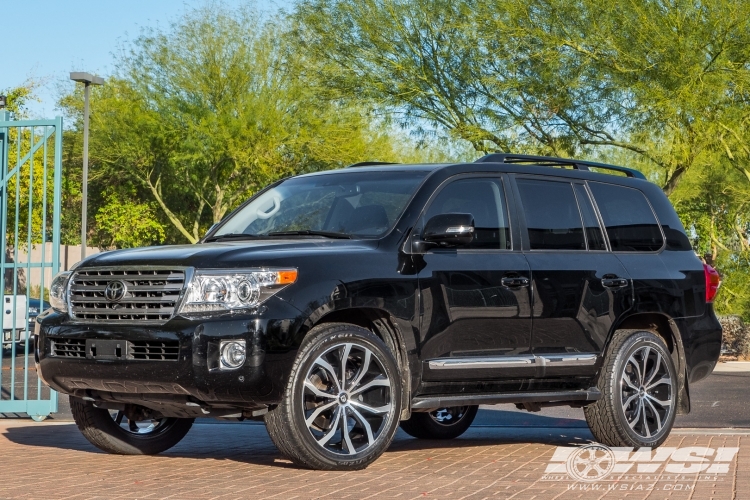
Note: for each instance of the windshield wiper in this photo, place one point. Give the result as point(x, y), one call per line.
point(232, 236)
point(308, 232)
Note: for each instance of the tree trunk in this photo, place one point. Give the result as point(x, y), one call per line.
point(8, 275)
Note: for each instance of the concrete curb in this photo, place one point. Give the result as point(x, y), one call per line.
point(732, 367)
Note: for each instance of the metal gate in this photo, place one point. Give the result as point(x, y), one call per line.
point(30, 190)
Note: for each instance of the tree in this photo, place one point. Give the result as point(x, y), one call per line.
point(127, 224)
point(665, 81)
point(27, 182)
point(201, 115)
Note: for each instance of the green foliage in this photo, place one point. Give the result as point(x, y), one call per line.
point(201, 115)
point(128, 224)
point(30, 181)
point(17, 97)
point(663, 81)
point(36, 290)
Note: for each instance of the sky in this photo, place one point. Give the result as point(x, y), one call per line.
point(45, 40)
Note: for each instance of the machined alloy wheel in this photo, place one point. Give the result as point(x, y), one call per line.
point(448, 416)
point(442, 423)
point(646, 392)
point(638, 383)
point(347, 398)
point(341, 406)
point(113, 432)
point(138, 426)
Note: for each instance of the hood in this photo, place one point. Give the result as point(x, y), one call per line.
point(227, 254)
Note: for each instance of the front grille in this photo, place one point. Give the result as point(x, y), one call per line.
point(154, 350)
point(69, 348)
point(150, 295)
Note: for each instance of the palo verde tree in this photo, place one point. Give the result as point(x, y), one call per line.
point(663, 80)
point(204, 113)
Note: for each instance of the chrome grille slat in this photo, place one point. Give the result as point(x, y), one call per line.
point(151, 295)
point(145, 300)
point(170, 288)
point(125, 310)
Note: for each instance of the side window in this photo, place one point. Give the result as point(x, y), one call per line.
point(552, 216)
point(482, 198)
point(630, 222)
point(594, 236)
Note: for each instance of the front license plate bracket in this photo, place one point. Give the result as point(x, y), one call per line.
point(106, 349)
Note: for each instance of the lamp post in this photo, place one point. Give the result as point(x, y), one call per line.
point(87, 79)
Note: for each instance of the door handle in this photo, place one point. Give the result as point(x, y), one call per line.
point(514, 282)
point(614, 282)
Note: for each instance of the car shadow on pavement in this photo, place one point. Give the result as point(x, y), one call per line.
point(249, 442)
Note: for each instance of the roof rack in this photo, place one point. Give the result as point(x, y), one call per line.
point(368, 163)
point(549, 161)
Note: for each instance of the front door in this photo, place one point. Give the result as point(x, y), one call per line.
point(579, 287)
point(475, 307)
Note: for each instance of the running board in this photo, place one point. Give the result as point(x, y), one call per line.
point(423, 402)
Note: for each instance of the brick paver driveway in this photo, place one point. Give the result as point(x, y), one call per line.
point(52, 460)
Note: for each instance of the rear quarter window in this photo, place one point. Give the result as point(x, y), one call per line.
point(628, 218)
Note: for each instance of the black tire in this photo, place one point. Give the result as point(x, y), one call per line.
point(435, 425)
point(377, 384)
point(98, 426)
point(629, 413)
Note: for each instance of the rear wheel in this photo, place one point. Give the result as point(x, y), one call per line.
point(443, 423)
point(114, 432)
point(639, 392)
point(341, 405)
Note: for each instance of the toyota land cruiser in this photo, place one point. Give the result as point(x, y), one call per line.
point(339, 305)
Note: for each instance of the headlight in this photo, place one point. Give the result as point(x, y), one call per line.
point(58, 291)
point(231, 290)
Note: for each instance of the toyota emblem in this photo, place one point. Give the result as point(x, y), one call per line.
point(115, 291)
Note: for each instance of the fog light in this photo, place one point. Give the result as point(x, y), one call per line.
point(232, 354)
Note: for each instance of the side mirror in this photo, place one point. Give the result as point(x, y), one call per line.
point(449, 230)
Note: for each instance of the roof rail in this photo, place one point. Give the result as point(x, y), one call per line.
point(369, 163)
point(549, 161)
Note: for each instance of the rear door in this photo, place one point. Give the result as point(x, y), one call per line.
point(475, 301)
point(579, 288)
point(636, 239)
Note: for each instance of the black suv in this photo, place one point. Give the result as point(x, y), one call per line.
point(339, 305)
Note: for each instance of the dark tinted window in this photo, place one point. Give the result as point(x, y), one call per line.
point(594, 236)
point(628, 218)
point(482, 198)
point(552, 216)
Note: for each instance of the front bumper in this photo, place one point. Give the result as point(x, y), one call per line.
point(194, 377)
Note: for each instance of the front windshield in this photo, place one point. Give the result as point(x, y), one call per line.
point(358, 204)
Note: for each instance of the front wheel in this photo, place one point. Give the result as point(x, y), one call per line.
point(114, 432)
point(443, 423)
point(639, 392)
point(341, 405)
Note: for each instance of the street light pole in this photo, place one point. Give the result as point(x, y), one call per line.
point(87, 79)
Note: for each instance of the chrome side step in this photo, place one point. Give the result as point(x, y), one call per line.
point(423, 402)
